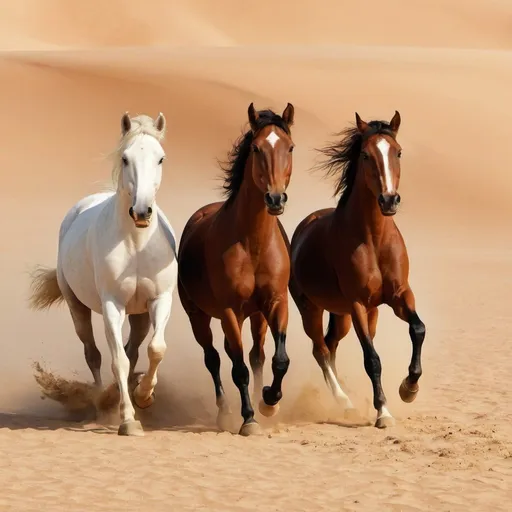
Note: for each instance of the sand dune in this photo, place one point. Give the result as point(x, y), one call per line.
point(68, 75)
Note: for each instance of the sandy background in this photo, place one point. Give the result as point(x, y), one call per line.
point(68, 72)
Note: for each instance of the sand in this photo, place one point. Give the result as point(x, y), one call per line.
point(68, 73)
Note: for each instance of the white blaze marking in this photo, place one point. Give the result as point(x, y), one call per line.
point(383, 146)
point(272, 138)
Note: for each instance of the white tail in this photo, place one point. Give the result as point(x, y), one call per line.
point(45, 288)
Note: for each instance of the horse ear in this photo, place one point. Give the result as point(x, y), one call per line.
point(395, 122)
point(362, 126)
point(253, 117)
point(289, 114)
point(126, 123)
point(160, 122)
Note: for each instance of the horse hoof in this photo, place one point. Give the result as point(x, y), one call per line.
point(408, 392)
point(385, 422)
point(268, 410)
point(131, 428)
point(250, 429)
point(351, 415)
point(140, 403)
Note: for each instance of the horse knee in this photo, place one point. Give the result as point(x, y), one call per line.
point(157, 349)
point(417, 329)
point(280, 363)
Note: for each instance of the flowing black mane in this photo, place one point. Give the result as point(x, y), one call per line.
point(234, 166)
point(342, 157)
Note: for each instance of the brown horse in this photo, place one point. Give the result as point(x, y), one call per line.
point(351, 259)
point(234, 262)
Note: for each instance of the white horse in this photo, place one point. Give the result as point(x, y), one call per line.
point(117, 257)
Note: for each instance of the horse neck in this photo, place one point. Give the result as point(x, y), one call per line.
point(362, 214)
point(253, 222)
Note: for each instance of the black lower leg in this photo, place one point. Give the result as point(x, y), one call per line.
point(373, 368)
point(240, 374)
point(280, 363)
point(93, 358)
point(212, 362)
point(417, 333)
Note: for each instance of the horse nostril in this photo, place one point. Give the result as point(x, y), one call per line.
point(268, 198)
point(130, 211)
point(150, 210)
point(381, 200)
point(284, 197)
point(398, 199)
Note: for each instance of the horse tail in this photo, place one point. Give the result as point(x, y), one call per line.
point(45, 288)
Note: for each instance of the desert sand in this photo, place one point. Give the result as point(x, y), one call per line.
point(70, 70)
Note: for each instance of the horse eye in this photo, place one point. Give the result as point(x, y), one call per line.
point(124, 160)
point(255, 148)
point(400, 154)
point(365, 155)
point(292, 148)
point(161, 160)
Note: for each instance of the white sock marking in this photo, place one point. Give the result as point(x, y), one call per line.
point(272, 138)
point(383, 146)
point(336, 388)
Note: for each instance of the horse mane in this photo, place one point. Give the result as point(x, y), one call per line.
point(234, 167)
point(342, 157)
point(140, 125)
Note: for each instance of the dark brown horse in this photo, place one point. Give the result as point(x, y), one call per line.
point(234, 262)
point(351, 259)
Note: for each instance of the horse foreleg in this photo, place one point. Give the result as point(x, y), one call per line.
point(231, 325)
point(372, 365)
point(257, 354)
point(277, 318)
point(113, 317)
point(405, 309)
point(312, 322)
point(159, 313)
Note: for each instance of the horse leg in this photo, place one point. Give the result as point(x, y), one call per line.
point(113, 317)
point(81, 316)
point(405, 309)
point(257, 354)
point(277, 318)
point(338, 328)
point(361, 320)
point(139, 328)
point(312, 322)
point(231, 325)
point(159, 312)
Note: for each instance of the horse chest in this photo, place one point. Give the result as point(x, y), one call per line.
point(366, 277)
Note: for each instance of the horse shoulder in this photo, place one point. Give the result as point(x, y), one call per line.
point(84, 204)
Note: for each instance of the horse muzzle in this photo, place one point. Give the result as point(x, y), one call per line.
point(141, 219)
point(275, 203)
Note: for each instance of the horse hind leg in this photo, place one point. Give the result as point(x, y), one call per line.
point(259, 327)
point(139, 328)
point(200, 323)
point(81, 316)
point(312, 322)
